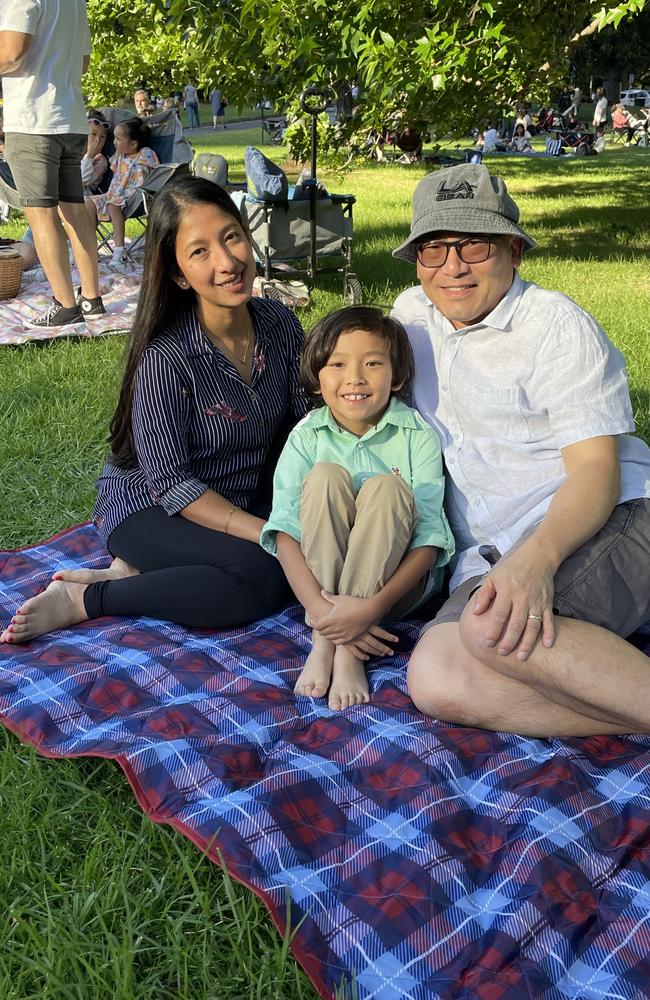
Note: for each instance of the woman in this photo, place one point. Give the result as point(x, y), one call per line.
point(211, 383)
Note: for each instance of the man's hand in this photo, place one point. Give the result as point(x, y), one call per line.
point(353, 619)
point(517, 602)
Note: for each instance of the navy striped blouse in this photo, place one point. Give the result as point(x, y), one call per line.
point(197, 425)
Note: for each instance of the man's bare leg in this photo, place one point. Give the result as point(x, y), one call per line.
point(316, 674)
point(118, 570)
point(60, 606)
point(349, 682)
point(588, 668)
point(52, 249)
point(83, 240)
point(585, 685)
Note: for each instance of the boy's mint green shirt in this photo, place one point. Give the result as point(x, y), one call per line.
point(401, 444)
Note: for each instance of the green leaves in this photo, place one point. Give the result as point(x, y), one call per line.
point(417, 62)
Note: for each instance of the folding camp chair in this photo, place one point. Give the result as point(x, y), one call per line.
point(174, 153)
point(138, 206)
point(273, 129)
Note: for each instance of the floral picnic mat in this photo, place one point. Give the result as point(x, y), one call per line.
point(119, 290)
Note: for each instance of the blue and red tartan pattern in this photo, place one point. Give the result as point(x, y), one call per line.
point(423, 860)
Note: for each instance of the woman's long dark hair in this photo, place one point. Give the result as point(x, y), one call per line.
point(161, 300)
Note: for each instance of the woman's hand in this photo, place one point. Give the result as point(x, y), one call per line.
point(517, 602)
point(351, 618)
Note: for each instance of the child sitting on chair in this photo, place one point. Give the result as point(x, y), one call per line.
point(131, 162)
point(357, 520)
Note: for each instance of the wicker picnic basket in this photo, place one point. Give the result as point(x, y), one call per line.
point(11, 271)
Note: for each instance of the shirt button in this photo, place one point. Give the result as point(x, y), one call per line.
point(444, 387)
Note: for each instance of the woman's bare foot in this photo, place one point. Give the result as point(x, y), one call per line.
point(118, 570)
point(316, 674)
point(57, 607)
point(349, 682)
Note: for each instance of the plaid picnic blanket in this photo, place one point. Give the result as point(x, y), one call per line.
point(423, 860)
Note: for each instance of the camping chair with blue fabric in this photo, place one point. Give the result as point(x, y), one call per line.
point(174, 153)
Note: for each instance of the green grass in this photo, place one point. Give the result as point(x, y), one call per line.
point(97, 902)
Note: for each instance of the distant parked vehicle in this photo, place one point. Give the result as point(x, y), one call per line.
point(635, 98)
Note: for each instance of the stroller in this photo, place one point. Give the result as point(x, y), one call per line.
point(546, 120)
point(292, 237)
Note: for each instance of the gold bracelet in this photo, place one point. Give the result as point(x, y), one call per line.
point(228, 516)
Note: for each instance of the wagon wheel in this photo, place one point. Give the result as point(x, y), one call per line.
point(269, 291)
point(353, 293)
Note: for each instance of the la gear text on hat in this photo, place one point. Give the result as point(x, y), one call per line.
point(461, 199)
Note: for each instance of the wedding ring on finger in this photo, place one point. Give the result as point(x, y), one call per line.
point(534, 617)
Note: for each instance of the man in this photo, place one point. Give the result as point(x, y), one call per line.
point(142, 104)
point(44, 49)
point(191, 98)
point(600, 111)
point(546, 491)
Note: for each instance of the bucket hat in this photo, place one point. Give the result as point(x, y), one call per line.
point(462, 199)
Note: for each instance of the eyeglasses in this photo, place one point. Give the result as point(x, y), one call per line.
point(98, 121)
point(473, 250)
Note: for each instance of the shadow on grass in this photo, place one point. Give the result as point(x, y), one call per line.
point(577, 233)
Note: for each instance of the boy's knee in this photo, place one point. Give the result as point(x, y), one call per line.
point(325, 475)
point(387, 490)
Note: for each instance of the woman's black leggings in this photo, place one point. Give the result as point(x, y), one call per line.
point(188, 574)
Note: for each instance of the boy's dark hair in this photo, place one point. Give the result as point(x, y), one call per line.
point(321, 341)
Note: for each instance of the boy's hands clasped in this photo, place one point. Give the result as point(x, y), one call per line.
point(352, 622)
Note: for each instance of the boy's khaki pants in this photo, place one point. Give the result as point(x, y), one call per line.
point(353, 542)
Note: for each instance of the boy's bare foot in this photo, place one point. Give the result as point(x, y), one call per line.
point(118, 570)
point(349, 682)
point(57, 607)
point(316, 674)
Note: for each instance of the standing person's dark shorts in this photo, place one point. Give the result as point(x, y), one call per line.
point(46, 168)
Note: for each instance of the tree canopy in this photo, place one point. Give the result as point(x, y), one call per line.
point(422, 62)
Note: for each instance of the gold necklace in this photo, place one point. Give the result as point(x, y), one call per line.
point(242, 360)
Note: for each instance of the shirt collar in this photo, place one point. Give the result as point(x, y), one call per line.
point(398, 414)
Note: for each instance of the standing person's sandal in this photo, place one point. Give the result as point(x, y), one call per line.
point(57, 315)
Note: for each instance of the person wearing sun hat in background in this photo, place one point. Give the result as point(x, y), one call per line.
point(547, 488)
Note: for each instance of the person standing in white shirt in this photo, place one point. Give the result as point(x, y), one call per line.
point(44, 50)
point(547, 490)
point(600, 111)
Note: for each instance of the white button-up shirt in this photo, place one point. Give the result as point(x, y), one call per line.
point(506, 395)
